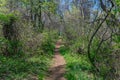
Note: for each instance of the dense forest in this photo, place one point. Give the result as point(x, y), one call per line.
point(59, 39)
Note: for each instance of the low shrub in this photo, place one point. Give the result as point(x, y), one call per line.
point(77, 66)
point(24, 68)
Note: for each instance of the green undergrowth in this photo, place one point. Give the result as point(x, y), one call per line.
point(35, 60)
point(7, 18)
point(77, 66)
point(27, 68)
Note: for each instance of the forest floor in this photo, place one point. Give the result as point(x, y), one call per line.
point(57, 69)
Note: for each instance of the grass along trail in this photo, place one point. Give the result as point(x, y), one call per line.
point(57, 70)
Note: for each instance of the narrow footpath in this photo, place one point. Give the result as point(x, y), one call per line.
point(57, 70)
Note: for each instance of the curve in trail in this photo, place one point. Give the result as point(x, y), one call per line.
point(57, 70)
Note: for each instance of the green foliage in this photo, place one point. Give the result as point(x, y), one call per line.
point(64, 50)
point(2, 3)
point(117, 2)
point(6, 19)
point(32, 64)
point(3, 43)
point(49, 6)
point(79, 45)
point(48, 47)
point(23, 68)
point(15, 48)
point(117, 40)
point(49, 39)
point(77, 66)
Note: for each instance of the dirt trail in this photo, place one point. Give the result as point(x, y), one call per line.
point(57, 69)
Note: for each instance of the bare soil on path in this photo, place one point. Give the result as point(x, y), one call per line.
point(57, 70)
